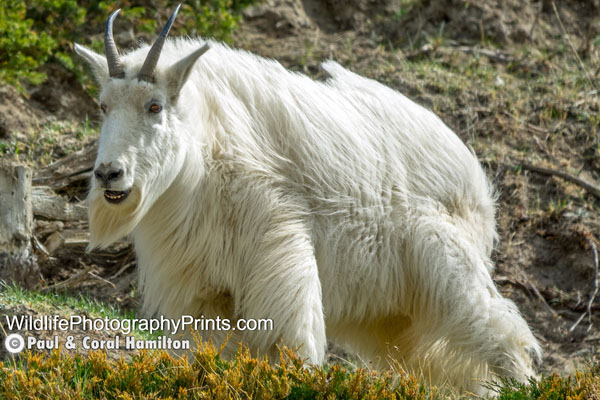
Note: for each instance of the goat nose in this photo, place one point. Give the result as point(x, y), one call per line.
point(107, 174)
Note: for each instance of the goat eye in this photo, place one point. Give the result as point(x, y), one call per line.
point(154, 108)
point(103, 107)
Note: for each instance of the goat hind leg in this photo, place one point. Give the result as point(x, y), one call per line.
point(471, 332)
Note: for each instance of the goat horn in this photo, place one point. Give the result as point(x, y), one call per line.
point(149, 67)
point(115, 68)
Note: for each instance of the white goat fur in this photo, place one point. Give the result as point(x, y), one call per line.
point(337, 207)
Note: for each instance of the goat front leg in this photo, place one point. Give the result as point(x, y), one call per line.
point(283, 284)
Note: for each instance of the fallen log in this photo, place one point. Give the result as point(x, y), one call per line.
point(48, 205)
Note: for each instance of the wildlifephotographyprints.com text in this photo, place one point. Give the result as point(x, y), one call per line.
point(16, 343)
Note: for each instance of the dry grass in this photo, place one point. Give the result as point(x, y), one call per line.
point(154, 375)
point(157, 375)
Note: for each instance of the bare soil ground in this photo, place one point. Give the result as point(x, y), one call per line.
point(517, 81)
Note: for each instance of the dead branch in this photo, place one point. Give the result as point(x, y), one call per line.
point(76, 237)
point(121, 270)
point(69, 282)
point(594, 190)
point(493, 55)
point(548, 293)
point(535, 21)
point(539, 295)
point(566, 300)
point(527, 285)
point(581, 65)
point(101, 279)
point(588, 310)
point(40, 247)
point(80, 277)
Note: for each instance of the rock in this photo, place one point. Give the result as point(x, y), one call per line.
point(283, 17)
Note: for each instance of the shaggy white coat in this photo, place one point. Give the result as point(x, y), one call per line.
point(339, 209)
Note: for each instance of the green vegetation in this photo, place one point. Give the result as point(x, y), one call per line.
point(23, 49)
point(156, 375)
point(579, 387)
point(35, 32)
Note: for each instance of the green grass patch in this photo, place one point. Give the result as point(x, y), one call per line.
point(49, 143)
point(41, 301)
point(60, 302)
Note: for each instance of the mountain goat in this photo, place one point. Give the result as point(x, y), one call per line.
point(338, 207)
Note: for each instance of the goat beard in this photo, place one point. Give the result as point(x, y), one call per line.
point(109, 223)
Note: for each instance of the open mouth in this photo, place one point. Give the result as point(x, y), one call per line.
point(114, 196)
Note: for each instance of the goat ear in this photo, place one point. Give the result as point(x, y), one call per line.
point(179, 72)
point(96, 61)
